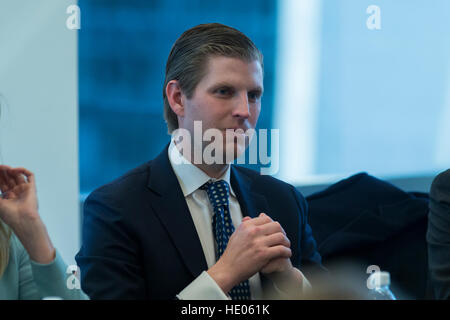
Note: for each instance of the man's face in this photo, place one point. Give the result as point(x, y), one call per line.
point(227, 97)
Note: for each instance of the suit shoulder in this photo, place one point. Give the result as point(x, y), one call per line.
point(440, 188)
point(121, 186)
point(266, 181)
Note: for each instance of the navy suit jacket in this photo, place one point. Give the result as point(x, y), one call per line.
point(139, 240)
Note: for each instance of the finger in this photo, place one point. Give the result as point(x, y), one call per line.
point(262, 214)
point(4, 167)
point(277, 239)
point(279, 252)
point(11, 180)
point(28, 174)
point(9, 195)
point(261, 220)
point(246, 219)
point(16, 176)
point(6, 181)
point(3, 185)
point(19, 189)
point(272, 227)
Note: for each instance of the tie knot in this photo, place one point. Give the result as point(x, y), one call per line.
point(218, 192)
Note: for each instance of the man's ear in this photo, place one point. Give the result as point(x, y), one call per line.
point(174, 96)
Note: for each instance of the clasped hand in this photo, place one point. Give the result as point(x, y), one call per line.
point(257, 245)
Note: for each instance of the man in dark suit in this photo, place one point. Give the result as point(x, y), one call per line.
point(184, 226)
point(438, 235)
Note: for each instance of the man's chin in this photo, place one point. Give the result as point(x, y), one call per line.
point(234, 151)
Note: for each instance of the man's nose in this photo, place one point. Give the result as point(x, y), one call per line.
point(242, 108)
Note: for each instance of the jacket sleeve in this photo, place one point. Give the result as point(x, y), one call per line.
point(37, 281)
point(310, 259)
point(52, 280)
point(109, 256)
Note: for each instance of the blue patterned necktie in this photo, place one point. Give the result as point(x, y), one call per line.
point(218, 194)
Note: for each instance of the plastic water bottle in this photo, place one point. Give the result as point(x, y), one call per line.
point(379, 283)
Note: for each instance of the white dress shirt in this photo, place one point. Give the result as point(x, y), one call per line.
point(191, 179)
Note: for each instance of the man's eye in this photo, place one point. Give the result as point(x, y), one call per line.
point(253, 95)
point(224, 91)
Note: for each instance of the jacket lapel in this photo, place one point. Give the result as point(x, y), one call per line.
point(170, 206)
point(251, 202)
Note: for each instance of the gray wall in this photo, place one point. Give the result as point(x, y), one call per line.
point(39, 120)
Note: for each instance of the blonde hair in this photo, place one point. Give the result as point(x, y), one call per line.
point(5, 236)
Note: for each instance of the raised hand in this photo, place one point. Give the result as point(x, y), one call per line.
point(18, 201)
point(19, 210)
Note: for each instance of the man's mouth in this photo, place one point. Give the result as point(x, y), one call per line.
point(234, 129)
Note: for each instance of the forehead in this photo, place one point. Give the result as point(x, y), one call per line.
point(232, 71)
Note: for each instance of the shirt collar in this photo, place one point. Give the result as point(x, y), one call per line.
point(189, 176)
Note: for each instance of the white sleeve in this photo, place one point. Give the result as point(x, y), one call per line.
point(203, 288)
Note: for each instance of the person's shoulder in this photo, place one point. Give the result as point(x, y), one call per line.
point(442, 179)
point(261, 181)
point(277, 192)
point(440, 188)
point(131, 181)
